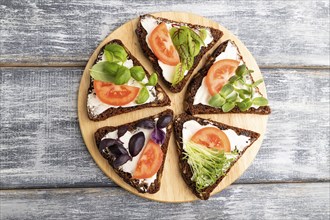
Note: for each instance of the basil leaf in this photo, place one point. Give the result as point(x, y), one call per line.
point(226, 90)
point(196, 37)
point(203, 34)
point(228, 106)
point(172, 31)
point(194, 48)
point(137, 73)
point(122, 76)
point(104, 71)
point(108, 55)
point(153, 79)
point(241, 70)
point(180, 36)
point(188, 62)
point(217, 101)
point(118, 52)
point(183, 51)
point(258, 82)
point(178, 73)
point(245, 104)
point(260, 101)
point(143, 95)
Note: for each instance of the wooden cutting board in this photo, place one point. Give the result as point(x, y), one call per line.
point(173, 188)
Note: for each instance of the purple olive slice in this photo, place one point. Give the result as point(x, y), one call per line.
point(122, 159)
point(136, 143)
point(146, 123)
point(164, 120)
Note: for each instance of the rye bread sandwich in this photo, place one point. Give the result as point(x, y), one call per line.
point(225, 85)
point(207, 150)
point(120, 84)
point(174, 48)
point(137, 150)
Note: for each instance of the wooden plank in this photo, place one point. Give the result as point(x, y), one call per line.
point(41, 145)
point(279, 33)
point(255, 201)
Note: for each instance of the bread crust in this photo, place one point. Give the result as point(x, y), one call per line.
point(127, 177)
point(162, 98)
point(185, 169)
point(141, 35)
point(196, 82)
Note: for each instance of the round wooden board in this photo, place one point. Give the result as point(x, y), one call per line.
point(173, 188)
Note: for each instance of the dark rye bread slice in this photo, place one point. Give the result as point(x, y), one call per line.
point(161, 97)
point(196, 82)
point(186, 171)
point(127, 177)
point(142, 33)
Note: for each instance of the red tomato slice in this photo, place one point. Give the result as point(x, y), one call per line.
point(149, 162)
point(112, 94)
point(219, 74)
point(161, 44)
point(212, 138)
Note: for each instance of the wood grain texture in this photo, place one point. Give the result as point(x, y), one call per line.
point(41, 145)
point(264, 201)
point(171, 173)
point(279, 33)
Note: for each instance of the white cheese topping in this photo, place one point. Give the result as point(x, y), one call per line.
point(231, 52)
point(96, 106)
point(130, 166)
point(239, 142)
point(149, 24)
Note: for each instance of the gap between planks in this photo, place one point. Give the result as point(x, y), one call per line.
point(116, 186)
point(82, 65)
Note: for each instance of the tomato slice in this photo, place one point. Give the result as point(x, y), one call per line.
point(149, 162)
point(112, 94)
point(219, 74)
point(212, 137)
point(161, 44)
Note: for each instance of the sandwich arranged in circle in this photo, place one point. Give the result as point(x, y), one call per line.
point(120, 84)
point(137, 150)
point(207, 149)
point(225, 85)
point(174, 48)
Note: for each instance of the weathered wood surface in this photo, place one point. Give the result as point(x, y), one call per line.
point(41, 144)
point(280, 33)
point(262, 201)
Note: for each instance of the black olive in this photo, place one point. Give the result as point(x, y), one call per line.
point(164, 120)
point(136, 143)
point(147, 123)
point(122, 159)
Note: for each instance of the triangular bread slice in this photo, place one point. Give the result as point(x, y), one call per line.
point(126, 170)
point(97, 110)
point(142, 33)
point(197, 95)
point(185, 126)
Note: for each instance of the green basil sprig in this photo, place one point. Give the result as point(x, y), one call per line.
point(112, 70)
point(239, 91)
point(115, 53)
point(188, 44)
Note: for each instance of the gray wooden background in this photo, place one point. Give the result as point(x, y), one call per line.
point(46, 170)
